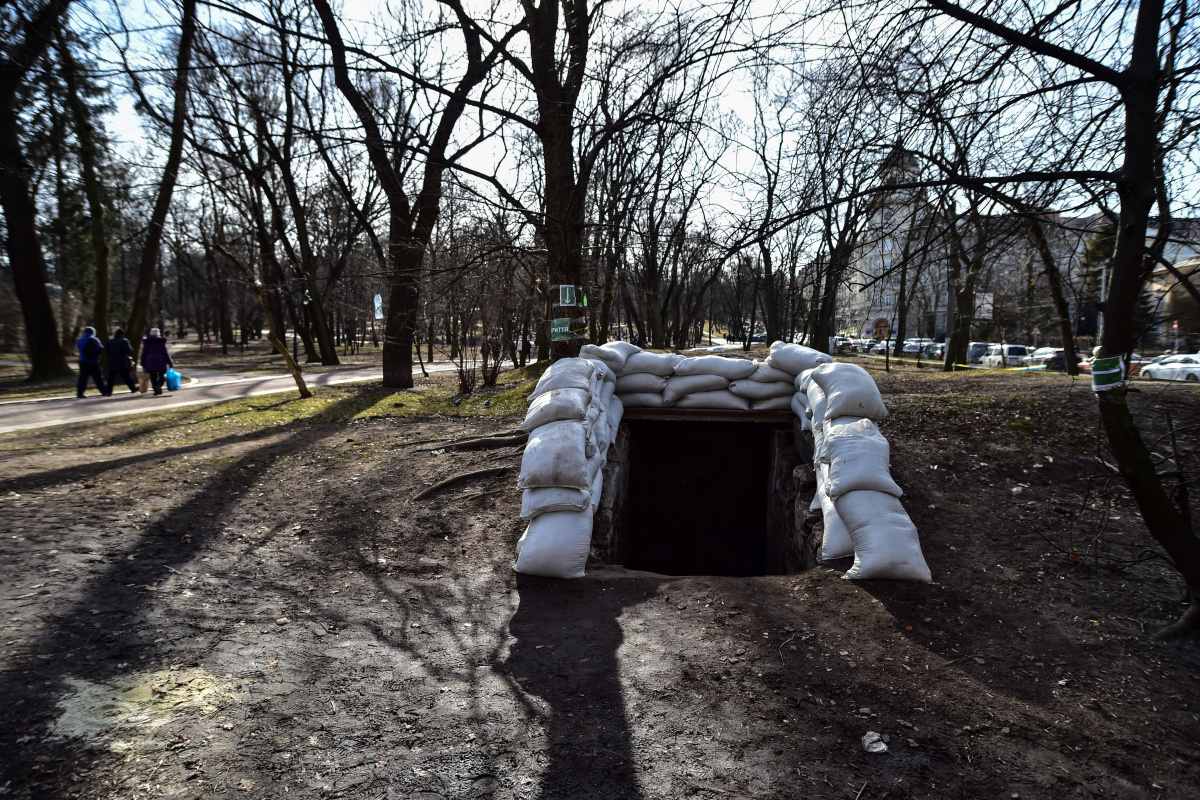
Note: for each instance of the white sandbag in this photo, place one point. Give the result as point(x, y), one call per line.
point(555, 405)
point(603, 371)
point(616, 410)
point(815, 505)
point(885, 540)
point(556, 545)
point(643, 400)
point(753, 390)
point(600, 431)
point(858, 457)
point(614, 358)
point(595, 464)
point(606, 393)
point(654, 363)
point(722, 398)
point(816, 405)
point(804, 380)
point(836, 542)
point(597, 490)
point(680, 385)
point(765, 373)
point(821, 454)
point(730, 369)
point(795, 358)
point(566, 373)
point(555, 455)
point(545, 499)
point(591, 432)
point(621, 350)
point(781, 403)
point(800, 410)
point(851, 391)
point(640, 382)
point(775, 345)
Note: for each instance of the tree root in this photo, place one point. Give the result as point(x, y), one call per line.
point(451, 481)
point(1186, 624)
point(492, 442)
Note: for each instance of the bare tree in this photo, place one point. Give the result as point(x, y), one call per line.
point(140, 312)
point(28, 36)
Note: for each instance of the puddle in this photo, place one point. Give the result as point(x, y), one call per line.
point(143, 700)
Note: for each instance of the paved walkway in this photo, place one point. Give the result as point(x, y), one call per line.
point(201, 386)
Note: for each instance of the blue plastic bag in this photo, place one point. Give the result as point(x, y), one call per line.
point(174, 379)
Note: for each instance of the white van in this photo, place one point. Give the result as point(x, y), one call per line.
point(1006, 355)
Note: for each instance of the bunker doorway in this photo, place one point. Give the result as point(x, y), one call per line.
point(707, 494)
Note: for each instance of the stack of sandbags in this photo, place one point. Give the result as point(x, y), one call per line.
point(858, 498)
point(643, 376)
point(571, 421)
point(773, 384)
point(704, 381)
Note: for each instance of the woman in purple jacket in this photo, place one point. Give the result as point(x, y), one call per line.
point(155, 359)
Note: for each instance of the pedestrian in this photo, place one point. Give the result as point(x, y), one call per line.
point(120, 362)
point(526, 349)
point(155, 359)
point(90, 349)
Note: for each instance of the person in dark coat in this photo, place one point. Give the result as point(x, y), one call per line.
point(120, 361)
point(155, 359)
point(90, 349)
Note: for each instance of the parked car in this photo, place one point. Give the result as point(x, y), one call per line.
point(1054, 358)
point(936, 350)
point(1006, 355)
point(881, 347)
point(1174, 368)
point(1137, 363)
point(1136, 366)
point(976, 351)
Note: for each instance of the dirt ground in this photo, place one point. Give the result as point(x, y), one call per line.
point(217, 604)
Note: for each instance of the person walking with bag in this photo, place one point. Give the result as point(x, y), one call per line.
point(155, 359)
point(120, 362)
point(90, 349)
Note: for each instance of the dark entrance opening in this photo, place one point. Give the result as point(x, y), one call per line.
point(706, 496)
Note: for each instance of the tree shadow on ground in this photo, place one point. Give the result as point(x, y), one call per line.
point(568, 635)
point(101, 632)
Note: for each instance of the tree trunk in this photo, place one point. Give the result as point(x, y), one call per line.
point(1136, 189)
point(46, 356)
point(770, 306)
point(1056, 295)
point(274, 324)
point(91, 185)
point(166, 187)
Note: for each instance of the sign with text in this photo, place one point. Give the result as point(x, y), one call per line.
point(378, 306)
point(560, 330)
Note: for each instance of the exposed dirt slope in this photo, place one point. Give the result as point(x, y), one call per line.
point(268, 615)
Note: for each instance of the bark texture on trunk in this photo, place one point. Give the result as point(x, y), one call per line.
point(1136, 189)
point(46, 355)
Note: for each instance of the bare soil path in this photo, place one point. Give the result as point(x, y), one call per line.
point(241, 600)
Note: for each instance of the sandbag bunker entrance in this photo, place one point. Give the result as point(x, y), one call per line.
point(705, 492)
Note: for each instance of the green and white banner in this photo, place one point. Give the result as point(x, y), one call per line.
point(1107, 373)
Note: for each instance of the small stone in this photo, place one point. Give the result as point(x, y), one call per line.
point(872, 742)
point(1004, 730)
point(282, 621)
